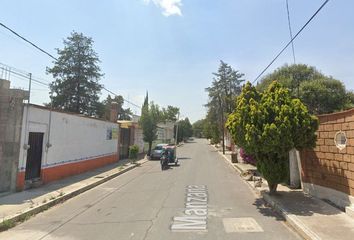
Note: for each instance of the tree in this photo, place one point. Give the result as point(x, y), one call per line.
point(290, 77)
point(198, 128)
point(350, 99)
point(185, 130)
point(320, 93)
point(226, 86)
point(170, 113)
point(268, 125)
point(323, 95)
point(76, 87)
point(212, 128)
point(150, 116)
point(106, 106)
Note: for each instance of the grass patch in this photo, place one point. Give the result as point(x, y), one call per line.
point(7, 224)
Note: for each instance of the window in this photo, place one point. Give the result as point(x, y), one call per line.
point(340, 140)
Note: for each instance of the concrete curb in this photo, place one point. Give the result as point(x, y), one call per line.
point(292, 220)
point(10, 221)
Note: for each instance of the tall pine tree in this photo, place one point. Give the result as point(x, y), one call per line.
point(76, 87)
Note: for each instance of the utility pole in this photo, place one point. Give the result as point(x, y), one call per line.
point(222, 125)
point(29, 88)
point(176, 135)
point(223, 132)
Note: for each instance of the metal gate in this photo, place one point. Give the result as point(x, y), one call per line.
point(34, 156)
point(124, 143)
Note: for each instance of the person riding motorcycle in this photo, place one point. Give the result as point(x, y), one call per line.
point(165, 159)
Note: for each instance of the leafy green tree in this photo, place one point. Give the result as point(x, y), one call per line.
point(105, 109)
point(320, 93)
point(213, 127)
point(350, 99)
point(76, 87)
point(268, 125)
point(185, 130)
point(290, 77)
point(170, 113)
point(198, 128)
point(323, 95)
point(150, 117)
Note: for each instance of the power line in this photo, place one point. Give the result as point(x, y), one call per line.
point(24, 39)
point(23, 73)
point(290, 31)
point(24, 76)
point(303, 27)
point(51, 56)
point(122, 97)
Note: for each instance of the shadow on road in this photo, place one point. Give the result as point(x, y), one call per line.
point(171, 167)
point(296, 202)
point(266, 210)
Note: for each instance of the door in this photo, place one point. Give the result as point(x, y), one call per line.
point(124, 143)
point(34, 156)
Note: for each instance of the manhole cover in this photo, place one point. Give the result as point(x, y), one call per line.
point(241, 225)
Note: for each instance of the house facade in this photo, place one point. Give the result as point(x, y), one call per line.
point(56, 145)
point(165, 132)
point(40, 145)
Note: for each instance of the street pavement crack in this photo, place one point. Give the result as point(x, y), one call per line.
point(159, 210)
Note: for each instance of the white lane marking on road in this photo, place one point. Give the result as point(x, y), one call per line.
point(241, 225)
point(196, 210)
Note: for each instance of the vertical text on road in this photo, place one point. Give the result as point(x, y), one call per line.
point(196, 210)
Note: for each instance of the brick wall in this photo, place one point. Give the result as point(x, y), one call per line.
point(326, 165)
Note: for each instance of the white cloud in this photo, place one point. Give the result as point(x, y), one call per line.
point(169, 7)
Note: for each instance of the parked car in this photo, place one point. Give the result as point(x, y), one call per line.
point(156, 153)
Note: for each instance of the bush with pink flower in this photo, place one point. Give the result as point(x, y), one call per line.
point(247, 157)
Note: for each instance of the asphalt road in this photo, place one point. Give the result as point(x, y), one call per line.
point(144, 203)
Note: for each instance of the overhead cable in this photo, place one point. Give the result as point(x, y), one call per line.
point(51, 56)
point(303, 27)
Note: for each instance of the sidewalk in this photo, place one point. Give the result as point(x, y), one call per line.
point(312, 218)
point(18, 207)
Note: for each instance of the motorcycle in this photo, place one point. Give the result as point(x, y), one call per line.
point(164, 161)
point(168, 156)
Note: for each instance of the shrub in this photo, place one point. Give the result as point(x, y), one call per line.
point(268, 126)
point(248, 158)
point(133, 152)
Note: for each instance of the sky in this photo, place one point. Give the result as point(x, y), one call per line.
point(170, 48)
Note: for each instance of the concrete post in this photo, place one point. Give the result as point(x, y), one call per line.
point(294, 169)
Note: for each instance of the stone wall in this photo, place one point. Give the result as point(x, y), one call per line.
point(11, 113)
